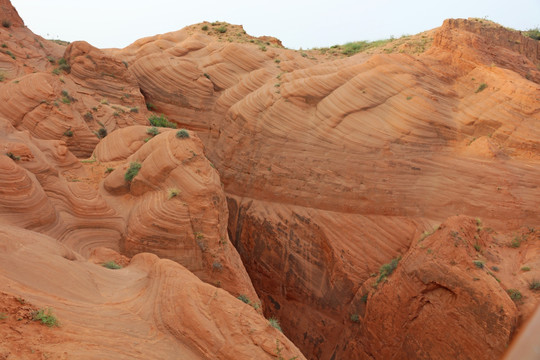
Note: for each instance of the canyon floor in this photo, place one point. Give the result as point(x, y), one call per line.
point(374, 201)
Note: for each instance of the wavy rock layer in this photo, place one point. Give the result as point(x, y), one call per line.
point(160, 309)
point(388, 141)
point(448, 279)
point(175, 206)
point(330, 166)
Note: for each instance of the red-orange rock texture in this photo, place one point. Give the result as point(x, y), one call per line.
point(303, 173)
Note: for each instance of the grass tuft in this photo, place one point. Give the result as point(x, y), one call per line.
point(386, 270)
point(182, 134)
point(46, 317)
point(161, 121)
point(275, 323)
point(534, 285)
point(533, 33)
point(13, 156)
point(112, 265)
point(482, 87)
point(478, 263)
point(152, 131)
point(173, 193)
point(243, 298)
point(514, 294)
point(132, 171)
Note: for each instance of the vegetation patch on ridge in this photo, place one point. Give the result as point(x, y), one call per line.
point(161, 121)
point(132, 171)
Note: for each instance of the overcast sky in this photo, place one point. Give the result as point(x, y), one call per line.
point(297, 23)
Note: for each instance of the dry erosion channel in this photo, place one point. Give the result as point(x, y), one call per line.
point(207, 194)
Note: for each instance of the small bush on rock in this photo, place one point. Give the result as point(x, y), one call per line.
point(161, 121)
point(182, 134)
point(132, 171)
point(46, 317)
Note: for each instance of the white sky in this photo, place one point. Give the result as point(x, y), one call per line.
point(297, 23)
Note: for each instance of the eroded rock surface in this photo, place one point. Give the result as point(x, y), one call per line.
point(318, 167)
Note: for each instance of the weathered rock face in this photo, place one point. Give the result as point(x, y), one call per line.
point(174, 206)
point(393, 141)
point(74, 212)
point(484, 42)
point(447, 280)
point(8, 15)
point(302, 265)
point(151, 309)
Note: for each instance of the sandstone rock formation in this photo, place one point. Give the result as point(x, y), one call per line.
point(151, 309)
point(303, 174)
point(317, 157)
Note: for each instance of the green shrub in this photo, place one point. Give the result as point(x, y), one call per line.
point(173, 193)
point(6, 23)
point(533, 33)
point(525, 268)
point(66, 99)
point(386, 270)
point(364, 298)
point(152, 131)
point(352, 48)
point(514, 294)
point(355, 318)
point(109, 170)
point(134, 109)
point(88, 116)
point(46, 317)
point(479, 264)
point(222, 29)
point(132, 171)
point(481, 87)
point(102, 132)
point(517, 240)
point(204, 28)
point(275, 323)
point(243, 298)
point(534, 285)
point(11, 55)
point(13, 156)
point(63, 65)
point(68, 133)
point(182, 134)
point(3, 316)
point(112, 265)
point(161, 121)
